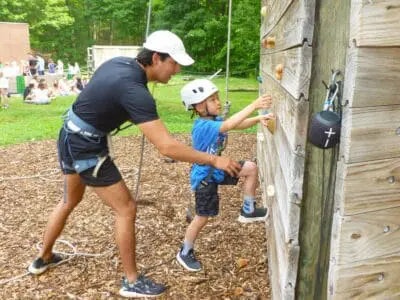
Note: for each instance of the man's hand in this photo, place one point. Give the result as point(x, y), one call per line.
point(225, 163)
point(263, 102)
point(264, 118)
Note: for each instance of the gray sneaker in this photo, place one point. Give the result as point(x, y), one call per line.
point(39, 266)
point(189, 261)
point(142, 287)
point(259, 214)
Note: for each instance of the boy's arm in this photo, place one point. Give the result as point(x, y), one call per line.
point(249, 122)
point(158, 135)
point(263, 101)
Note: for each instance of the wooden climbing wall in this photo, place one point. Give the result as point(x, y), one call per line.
point(286, 37)
point(365, 244)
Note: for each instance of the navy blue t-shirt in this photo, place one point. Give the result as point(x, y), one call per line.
point(116, 93)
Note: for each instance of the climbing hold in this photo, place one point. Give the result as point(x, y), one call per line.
point(270, 190)
point(271, 125)
point(270, 42)
point(279, 72)
point(264, 11)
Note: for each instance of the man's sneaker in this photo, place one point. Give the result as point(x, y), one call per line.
point(259, 214)
point(142, 287)
point(189, 261)
point(39, 266)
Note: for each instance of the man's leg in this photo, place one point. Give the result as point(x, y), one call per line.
point(73, 193)
point(119, 198)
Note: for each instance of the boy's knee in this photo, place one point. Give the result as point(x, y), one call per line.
point(252, 167)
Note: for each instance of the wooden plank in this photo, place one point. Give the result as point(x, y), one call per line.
point(286, 197)
point(368, 186)
point(274, 12)
point(372, 77)
point(295, 27)
point(370, 133)
point(375, 23)
point(329, 52)
point(283, 267)
point(368, 236)
point(296, 69)
point(292, 114)
point(372, 279)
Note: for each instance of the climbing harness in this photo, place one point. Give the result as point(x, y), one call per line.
point(325, 125)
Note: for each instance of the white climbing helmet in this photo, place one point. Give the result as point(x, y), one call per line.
point(197, 91)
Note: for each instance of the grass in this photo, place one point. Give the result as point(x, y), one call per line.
point(25, 122)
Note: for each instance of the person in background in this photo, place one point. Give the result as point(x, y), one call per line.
point(3, 90)
point(40, 65)
point(60, 67)
point(52, 67)
point(77, 70)
point(32, 61)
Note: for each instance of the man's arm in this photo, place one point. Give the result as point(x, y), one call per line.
point(158, 135)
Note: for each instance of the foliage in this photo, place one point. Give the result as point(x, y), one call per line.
point(65, 28)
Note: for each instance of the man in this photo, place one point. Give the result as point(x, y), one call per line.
point(116, 93)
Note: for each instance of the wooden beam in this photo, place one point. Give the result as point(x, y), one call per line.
point(375, 23)
point(365, 130)
point(295, 27)
point(368, 186)
point(372, 77)
point(296, 64)
point(371, 279)
point(274, 12)
point(329, 52)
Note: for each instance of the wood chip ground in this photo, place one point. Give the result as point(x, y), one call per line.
point(31, 185)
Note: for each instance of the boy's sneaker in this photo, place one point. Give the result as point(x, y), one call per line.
point(189, 261)
point(39, 266)
point(259, 214)
point(142, 287)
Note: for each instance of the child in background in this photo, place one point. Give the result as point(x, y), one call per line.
point(208, 135)
point(3, 90)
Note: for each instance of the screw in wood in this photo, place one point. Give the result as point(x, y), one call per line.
point(386, 229)
point(392, 179)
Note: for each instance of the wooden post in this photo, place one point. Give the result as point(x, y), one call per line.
point(330, 43)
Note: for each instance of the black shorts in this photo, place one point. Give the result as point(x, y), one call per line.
point(73, 149)
point(207, 198)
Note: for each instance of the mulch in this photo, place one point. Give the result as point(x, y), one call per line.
point(234, 255)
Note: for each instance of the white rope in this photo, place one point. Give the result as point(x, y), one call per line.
point(228, 51)
point(71, 255)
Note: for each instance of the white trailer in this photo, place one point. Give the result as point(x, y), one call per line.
point(99, 54)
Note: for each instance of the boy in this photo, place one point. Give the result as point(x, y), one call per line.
point(208, 135)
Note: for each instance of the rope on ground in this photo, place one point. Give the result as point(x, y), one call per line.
point(70, 256)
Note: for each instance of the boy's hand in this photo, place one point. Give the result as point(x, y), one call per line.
point(225, 163)
point(264, 118)
point(263, 102)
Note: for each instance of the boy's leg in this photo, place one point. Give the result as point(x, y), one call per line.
point(207, 205)
point(73, 195)
point(249, 213)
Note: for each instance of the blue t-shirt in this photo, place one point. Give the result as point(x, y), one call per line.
point(206, 138)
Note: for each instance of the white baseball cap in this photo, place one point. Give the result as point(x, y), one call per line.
point(164, 41)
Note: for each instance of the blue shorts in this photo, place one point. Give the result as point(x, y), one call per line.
point(79, 154)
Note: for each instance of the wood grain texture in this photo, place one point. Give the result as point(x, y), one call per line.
point(296, 64)
point(375, 23)
point(370, 133)
point(372, 77)
point(368, 186)
point(275, 11)
point(295, 27)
